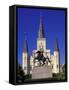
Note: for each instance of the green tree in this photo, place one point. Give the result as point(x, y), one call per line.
point(20, 74)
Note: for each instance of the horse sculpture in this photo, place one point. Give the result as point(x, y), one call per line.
point(40, 57)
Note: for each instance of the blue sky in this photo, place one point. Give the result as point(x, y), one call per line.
point(28, 26)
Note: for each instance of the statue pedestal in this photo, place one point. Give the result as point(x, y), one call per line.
point(40, 72)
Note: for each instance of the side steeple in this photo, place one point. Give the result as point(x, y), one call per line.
point(25, 46)
point(56, 61)
point(26, 58)
point(56, 45)
point(41, 29)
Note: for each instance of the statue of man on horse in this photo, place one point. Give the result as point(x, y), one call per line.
point(40, 57)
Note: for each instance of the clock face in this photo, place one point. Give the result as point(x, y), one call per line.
point(41, 46)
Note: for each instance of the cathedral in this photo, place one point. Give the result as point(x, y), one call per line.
point(29, 62)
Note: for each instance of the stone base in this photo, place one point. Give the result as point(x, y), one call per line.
point(40, 72)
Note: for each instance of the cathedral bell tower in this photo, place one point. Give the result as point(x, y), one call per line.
point(41, 41)
point(26, 59)
point(56, 64)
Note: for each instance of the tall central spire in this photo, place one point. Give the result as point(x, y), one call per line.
point(41, 29)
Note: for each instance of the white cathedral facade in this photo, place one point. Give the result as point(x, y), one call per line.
point(28, 62)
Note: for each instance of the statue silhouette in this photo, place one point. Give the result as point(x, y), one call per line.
point(40, 57)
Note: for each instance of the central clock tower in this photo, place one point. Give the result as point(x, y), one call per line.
point(41, 40)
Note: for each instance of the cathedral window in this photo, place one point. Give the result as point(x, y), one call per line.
point(30, 67)
point(52, 66)
point(24, 68)
point(25, 58)
point(57, 66)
